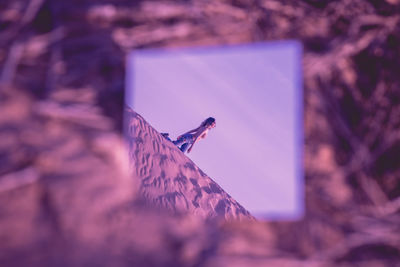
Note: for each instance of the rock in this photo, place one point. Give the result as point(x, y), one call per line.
point(171, 180)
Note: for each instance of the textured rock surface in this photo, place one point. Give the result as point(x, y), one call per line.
point(63, 199)
point(171, 180)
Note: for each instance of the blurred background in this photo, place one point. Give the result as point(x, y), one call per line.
point(62, 75)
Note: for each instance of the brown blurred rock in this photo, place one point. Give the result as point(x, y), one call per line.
point(60, 181)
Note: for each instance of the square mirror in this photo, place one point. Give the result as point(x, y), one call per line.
point(254, 92)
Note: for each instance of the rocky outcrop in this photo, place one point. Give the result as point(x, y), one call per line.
point(171, 180)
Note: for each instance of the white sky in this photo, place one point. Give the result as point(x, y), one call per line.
point(255, 94)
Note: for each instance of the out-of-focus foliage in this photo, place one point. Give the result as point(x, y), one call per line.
point(62, 79)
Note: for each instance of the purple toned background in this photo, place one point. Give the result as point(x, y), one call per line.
point(255, 93)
